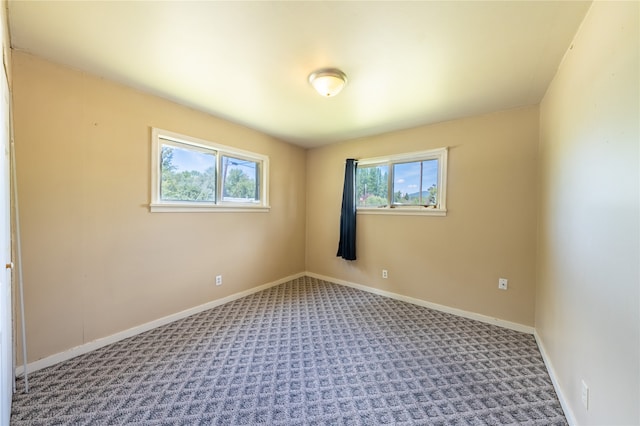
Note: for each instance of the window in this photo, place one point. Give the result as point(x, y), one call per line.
point(413, 183)
point(189, 174)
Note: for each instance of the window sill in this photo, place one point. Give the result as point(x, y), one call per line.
point(205, 208)
point(403, 211)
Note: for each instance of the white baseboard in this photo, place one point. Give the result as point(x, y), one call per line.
point(442, 308)
point(568, 412)
point(103, 341)
point(98, 343)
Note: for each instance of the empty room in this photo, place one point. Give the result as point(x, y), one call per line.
point(320, 213)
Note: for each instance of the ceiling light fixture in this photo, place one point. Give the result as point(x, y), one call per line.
point(328, 81)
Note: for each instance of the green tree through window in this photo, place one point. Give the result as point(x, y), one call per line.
point(187, 184)
point(371, 186)
point(239, 185)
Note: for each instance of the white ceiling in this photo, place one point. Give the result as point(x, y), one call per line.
point(408, 63)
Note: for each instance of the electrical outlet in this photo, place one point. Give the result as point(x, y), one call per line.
point(503, 283)
point(218, 279)
point(385, 274)
point(585, 394)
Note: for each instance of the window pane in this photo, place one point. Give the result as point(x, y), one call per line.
point(406, 183)
point(187, 174)
point(416, 183)
point(240, 180)
point(430, 183)
point(372, 186)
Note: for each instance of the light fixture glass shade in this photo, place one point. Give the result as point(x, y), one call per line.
point(328, 82)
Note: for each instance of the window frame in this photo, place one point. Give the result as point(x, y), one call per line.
point(158, 205)
point(440, 154)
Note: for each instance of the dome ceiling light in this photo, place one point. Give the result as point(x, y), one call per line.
point(328, 81)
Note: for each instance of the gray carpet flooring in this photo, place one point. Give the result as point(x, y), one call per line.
point(306, 352)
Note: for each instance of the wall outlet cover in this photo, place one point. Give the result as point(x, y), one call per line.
point(585, 394)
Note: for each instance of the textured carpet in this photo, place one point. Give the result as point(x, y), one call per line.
point(306, 352)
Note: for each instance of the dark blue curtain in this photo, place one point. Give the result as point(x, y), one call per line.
point(347, 245)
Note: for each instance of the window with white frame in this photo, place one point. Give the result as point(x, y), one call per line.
point(412, 183)
point(190, 174)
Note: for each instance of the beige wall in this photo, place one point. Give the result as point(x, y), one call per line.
point(489, 231)
point(587, 306)
point(95, 260)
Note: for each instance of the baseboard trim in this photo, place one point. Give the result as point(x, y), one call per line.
point(442, 308)
point(568, 412)
point(104, 341)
